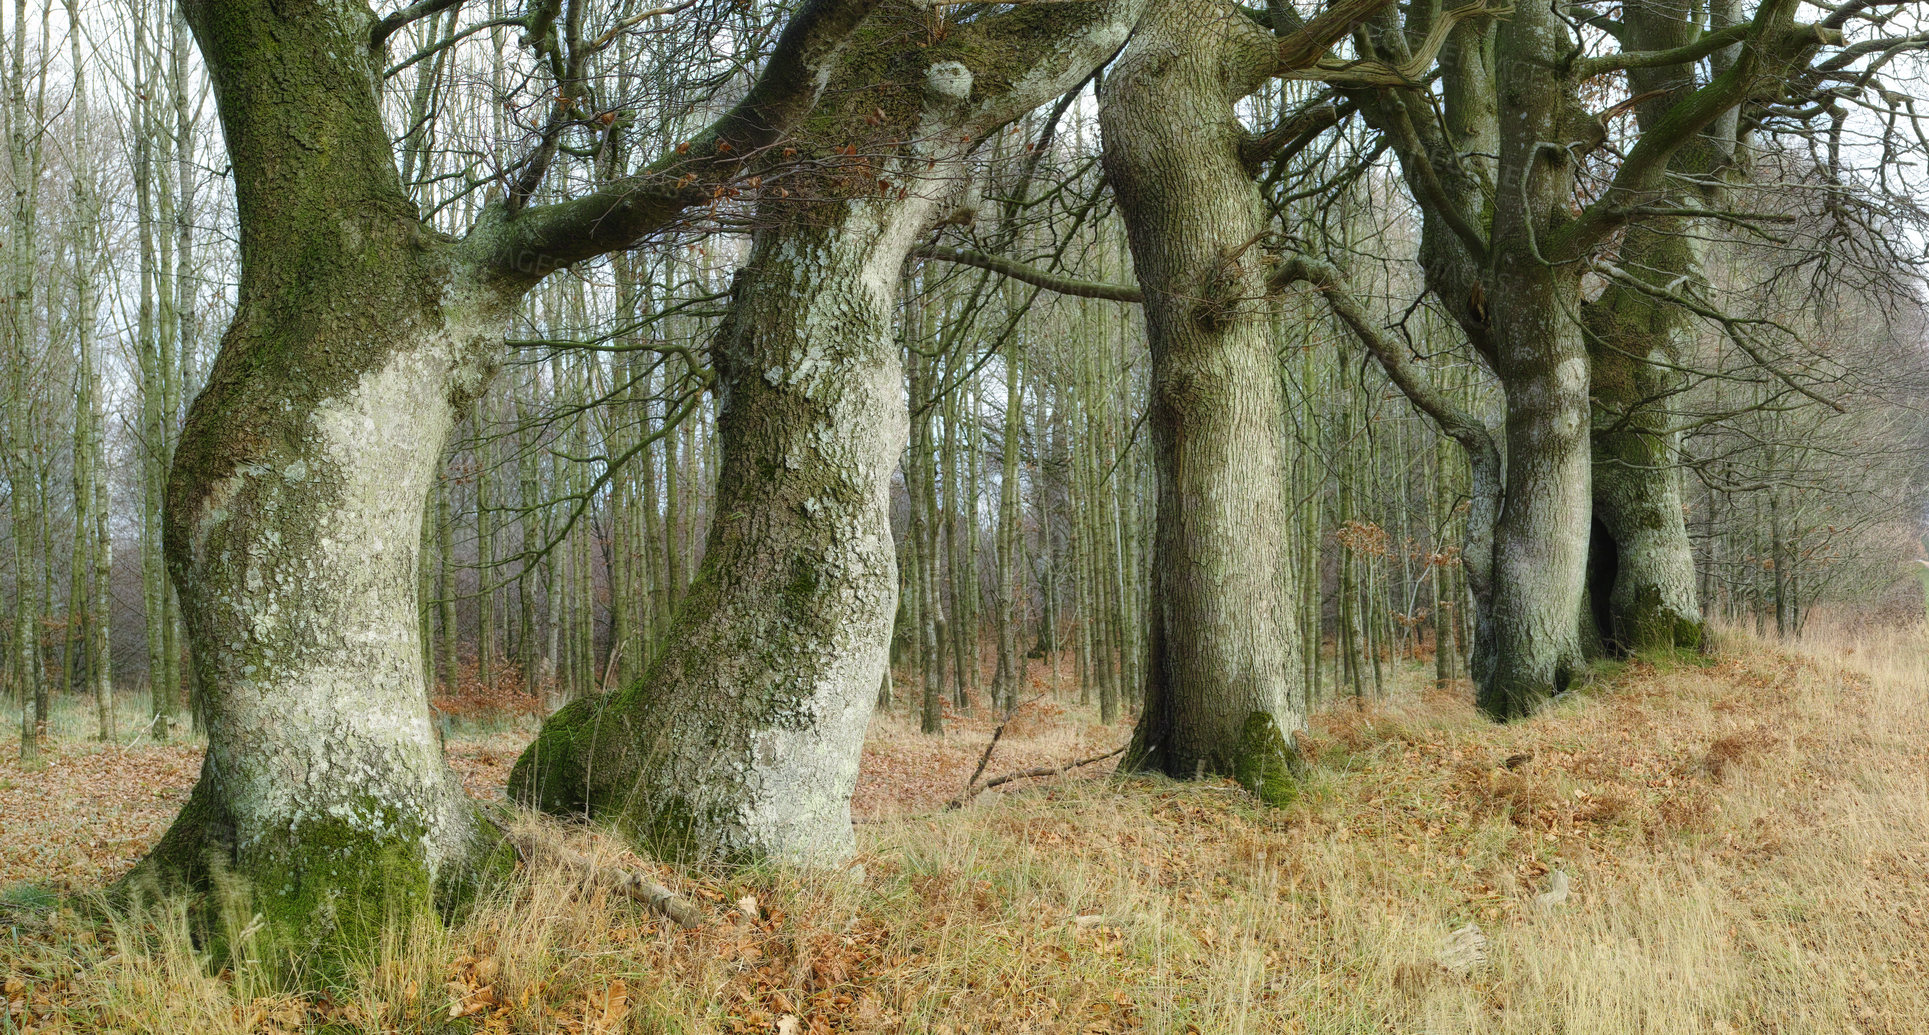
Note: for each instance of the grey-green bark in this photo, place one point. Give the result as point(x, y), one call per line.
point(1540, 539)
point(298, 488)
point(1502, 255)
point(1635, 343)
point(743, 733)
point(1222, 686)
point(743, 738)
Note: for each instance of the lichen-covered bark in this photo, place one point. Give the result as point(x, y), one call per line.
point(1222, 690)
point(744, 735)
point(1633, 341)
point(296, 497)
point(742, 740)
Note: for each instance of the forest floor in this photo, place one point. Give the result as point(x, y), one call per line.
point(1732, 844)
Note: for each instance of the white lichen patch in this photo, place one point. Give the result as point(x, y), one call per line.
point(320, 704)
point(948, 82)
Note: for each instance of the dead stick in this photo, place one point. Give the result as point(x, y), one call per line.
point(1025, 774)
point(985, 759)
point(625, 882)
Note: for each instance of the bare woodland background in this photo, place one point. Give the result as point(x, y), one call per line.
point(572, 512)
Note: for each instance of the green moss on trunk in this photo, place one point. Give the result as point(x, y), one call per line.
point(311, 902)
point(1265, 763)
point(330, 887)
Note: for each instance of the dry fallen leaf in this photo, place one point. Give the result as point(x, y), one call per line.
point(615, 1007)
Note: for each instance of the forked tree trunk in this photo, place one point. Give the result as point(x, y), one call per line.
point(743, 739)
point(1514, 288)
point(297, 493)
point(1222, 692)
point(1541, 537)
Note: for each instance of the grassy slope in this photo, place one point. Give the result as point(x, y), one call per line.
point(1747, 844)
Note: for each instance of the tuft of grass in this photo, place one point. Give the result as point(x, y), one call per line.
point(26, 900)
point(1784, 888)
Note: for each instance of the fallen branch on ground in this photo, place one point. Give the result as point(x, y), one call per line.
point(616, 880)
point(996, 735)
point(1028, 774)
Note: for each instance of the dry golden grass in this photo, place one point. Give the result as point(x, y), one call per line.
point(1746, 842)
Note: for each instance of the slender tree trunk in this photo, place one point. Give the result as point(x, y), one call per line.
point(1223, 687)
point(92, 501)
point(921, 479)
point(673, 492)
point(975, 487)
point(1007, 617)
point(951, 519)
point(445, 583)
point(23, 467)
point(1778, 563)
point(486, 574)
point(1439, 571)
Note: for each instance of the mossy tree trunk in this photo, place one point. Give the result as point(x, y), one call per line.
point(1650, 602)
point(745, 730)
point(742, 740)
point(296, 497)
point(1635, 340)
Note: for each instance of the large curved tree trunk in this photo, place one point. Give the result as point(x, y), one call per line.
point(294, 510)
point(1540, 540)
point(743, 736)
point(295, 501)
point(1223, 692)
point(1642, 534)
point(742, 740)
point(1635, 339)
